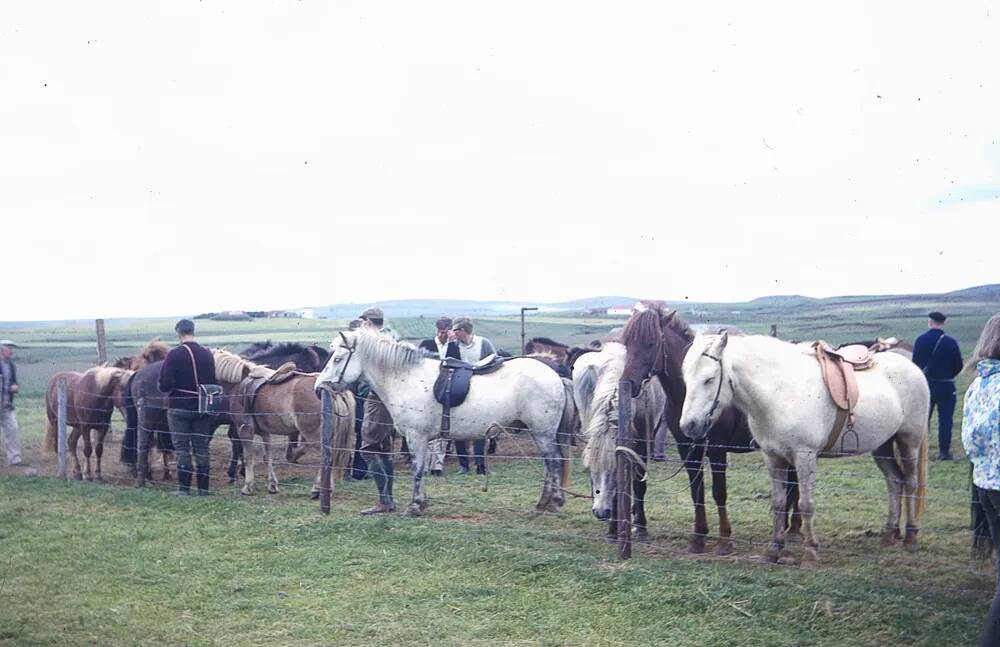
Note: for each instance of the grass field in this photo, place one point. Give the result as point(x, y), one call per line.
point(87, 563)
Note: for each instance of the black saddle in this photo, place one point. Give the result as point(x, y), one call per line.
point(454, 379)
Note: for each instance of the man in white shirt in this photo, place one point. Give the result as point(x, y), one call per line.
point(473, 348)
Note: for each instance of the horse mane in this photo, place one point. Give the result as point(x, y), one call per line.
point(387, 354)
point(548, 342)
point(599, 454)
point(155, 351)
point(233, 369)
point(262, 349)
point(647, 325)
point(103, 376)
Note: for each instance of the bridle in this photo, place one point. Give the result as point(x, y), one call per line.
point(718, 388)
point(350, 354)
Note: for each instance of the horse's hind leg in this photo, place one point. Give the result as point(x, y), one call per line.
point(885, 458)
point(718, 460)
point(88, 449)
point(552, 497)
point(792, 506)
point(272, 476)
point(910, 447)
point(418, 448)
point(805, 466)
point(74, 438)
point(777, 469)
point(249, 459)
point(99, 452)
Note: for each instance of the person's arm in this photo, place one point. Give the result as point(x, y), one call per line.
point(487, 349)
point(165, 381)
point(12, 387)
point(920, 352)
point(956, 358)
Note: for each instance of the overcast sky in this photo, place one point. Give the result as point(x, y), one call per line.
point(194, 156)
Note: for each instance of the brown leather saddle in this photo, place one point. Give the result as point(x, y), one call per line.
point(245, 395)
point(838, 367)
point(454, 381)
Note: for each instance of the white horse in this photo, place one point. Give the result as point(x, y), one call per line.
point(596, 385)
point(780, 388)
point(523, 395)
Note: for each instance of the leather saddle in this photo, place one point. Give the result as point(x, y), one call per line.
point(454, 380)
point(245, 395)
point(838, 367)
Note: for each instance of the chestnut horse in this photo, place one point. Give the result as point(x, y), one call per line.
point(656, 343)
point(91, 398)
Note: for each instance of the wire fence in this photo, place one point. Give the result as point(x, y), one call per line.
point(514, 448)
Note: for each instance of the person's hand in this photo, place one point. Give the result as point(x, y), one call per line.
point(452, 336)
point(13, 388)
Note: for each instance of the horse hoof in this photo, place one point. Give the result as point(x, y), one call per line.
point(911, 546)
point(793, 537)
point(724, 548)
point(808, 558)
point(412, 511)
point(889, 538)
point(140, 484)
point(314, 495)
point(246, 491)
point(272, 489)
point(808, 565)
point(78, 477)
point(641, 537)
point(769, 558)
point(696, 546)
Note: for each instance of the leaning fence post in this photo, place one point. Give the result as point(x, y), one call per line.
point(623, 481)
point(102, 342)
point(61, 422)
point(326, 450)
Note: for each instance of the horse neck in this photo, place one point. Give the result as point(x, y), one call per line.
point(386, 382)
point(745, 365)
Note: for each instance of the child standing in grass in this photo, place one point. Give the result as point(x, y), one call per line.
point(981, 437)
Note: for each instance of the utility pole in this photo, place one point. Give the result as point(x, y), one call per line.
point(523, 310)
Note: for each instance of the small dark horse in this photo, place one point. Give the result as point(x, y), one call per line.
point(146, 416)
point(656, 343)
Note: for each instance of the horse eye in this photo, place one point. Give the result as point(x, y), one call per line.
point(597, 491)
point(710, 380)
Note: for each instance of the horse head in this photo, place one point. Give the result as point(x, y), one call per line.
point(342, 369)
point(709, 387)
point(656, 341)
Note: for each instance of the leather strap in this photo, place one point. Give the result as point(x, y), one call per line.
point(194, 367)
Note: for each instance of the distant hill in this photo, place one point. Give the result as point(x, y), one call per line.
point(438, 307)
point(991, 291)
point(783, 300)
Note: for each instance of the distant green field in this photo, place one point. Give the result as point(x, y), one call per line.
point(106, 564)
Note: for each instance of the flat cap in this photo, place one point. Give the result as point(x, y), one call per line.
point(7, 342)
point(372, 313)
point(937, 316)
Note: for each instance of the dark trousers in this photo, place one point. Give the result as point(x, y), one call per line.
point(944, 398)
point(190, 432)
point(359, 466)
point(990, 500)
point(462, 451)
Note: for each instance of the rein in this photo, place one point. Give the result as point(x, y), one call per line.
point(350, 354)
point(718, 388)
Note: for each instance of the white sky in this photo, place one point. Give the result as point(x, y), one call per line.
point(283, 154)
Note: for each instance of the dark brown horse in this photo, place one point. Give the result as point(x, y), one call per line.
point(656, 342)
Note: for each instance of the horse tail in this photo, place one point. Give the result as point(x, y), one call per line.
point(568, 425)
point(343, 431)
point(922, 475)
point(50, 441)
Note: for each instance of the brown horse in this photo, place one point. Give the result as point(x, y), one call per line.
point(283, 404)
point(91, 398)
point(656, 342)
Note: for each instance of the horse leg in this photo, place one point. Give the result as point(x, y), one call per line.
point(805, 466)
point(235, 453)
point(272, 476)
point(794, 515)
point(418, 449)
point(249, 458)
point(99, 452)
point(777, 469)
point(885, 459)
point(692, 455)
point(718, 460)
point(910, 463)
point(165, 455)
point(74, 438)
point(291, 449)
point(87, 450)
point(552, 497)
point(639, 495)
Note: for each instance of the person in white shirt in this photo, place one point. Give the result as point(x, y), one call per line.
point(472, 348)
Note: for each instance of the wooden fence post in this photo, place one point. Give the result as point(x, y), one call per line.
point(326, 451)
point(61, 422)
point(623, 480)
point(102, 343)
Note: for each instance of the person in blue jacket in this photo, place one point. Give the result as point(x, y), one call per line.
point(981, 438)
point(938, 356)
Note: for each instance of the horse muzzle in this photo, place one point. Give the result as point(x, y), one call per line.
point(602, 514)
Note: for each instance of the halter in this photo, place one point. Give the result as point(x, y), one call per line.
point(718, 388)
point(350, 354)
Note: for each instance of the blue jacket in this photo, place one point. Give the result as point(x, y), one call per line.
point(981, 425)
point(944, 363)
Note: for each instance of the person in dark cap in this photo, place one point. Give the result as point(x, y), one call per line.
point(938, 356)
point(185, 368)
point(377, 427)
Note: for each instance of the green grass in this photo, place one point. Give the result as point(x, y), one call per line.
point(107, 564)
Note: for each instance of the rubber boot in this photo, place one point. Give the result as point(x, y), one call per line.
point(184, 480)
point(203, 476)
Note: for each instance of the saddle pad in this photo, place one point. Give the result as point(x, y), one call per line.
point(838, 375)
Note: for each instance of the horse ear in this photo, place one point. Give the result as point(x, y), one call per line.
point(724, 339)
point(669, 316)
